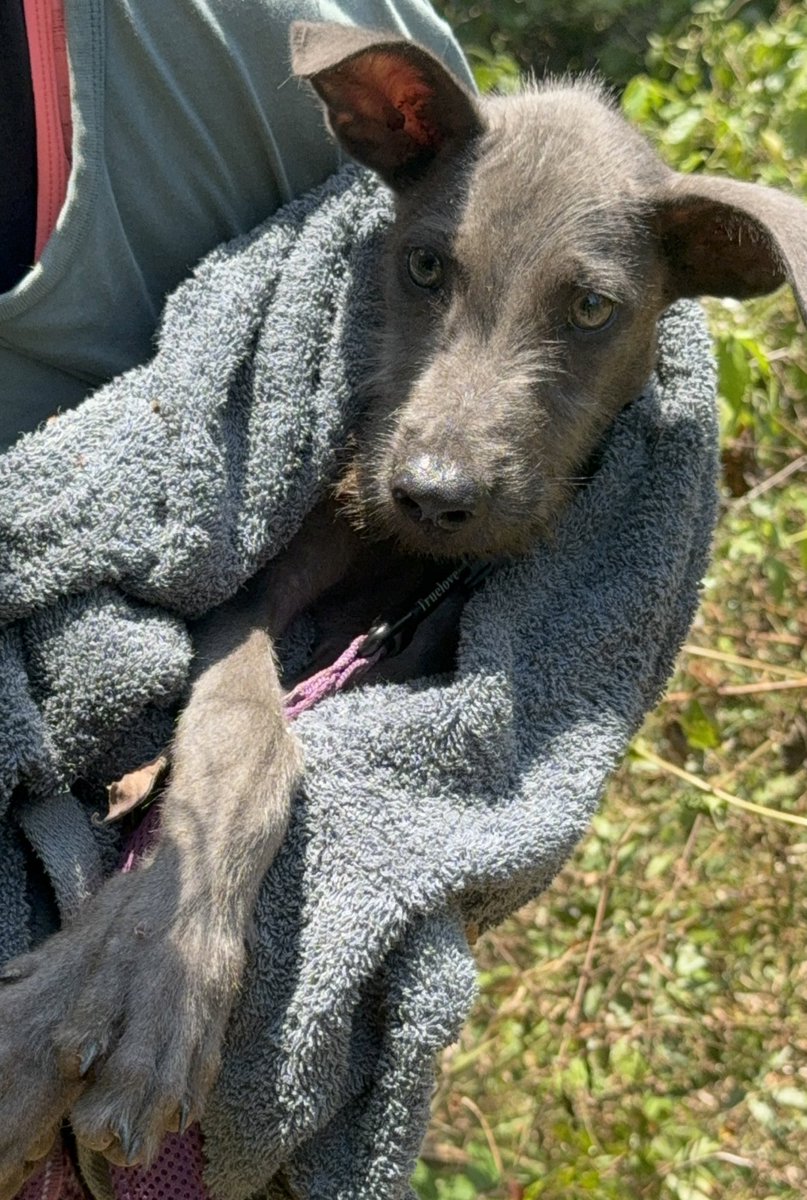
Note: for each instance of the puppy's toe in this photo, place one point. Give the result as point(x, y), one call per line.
point(160, 1061)
point(181, 1118)
point(123, 1115)
point(101, 1126)
point(13, 1180)
point(31, 1115)
point(33, 1095)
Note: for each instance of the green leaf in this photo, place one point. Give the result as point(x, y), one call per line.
point(779, 578)
point(761, 1111)
point(592, 998)
point(627, 1060)
point(688, 960)
point(734, 373)
point(642, 97)
point(659, 863)
point(683, 126)
point(701, 730)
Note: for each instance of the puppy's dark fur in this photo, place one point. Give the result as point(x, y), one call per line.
point(536, 242)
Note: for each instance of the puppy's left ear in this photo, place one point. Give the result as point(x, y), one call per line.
point(725, 238)
point(390, 103)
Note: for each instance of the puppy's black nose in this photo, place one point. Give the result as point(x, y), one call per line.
point(431, 490)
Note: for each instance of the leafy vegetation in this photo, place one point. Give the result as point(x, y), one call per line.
point(642, 1027)
point(609, 36)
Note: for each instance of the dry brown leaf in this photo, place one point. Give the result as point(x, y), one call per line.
point(135, 788)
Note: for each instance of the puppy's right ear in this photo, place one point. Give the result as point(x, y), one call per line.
point(390, 103)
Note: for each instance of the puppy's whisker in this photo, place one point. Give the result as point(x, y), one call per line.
point(570, 478)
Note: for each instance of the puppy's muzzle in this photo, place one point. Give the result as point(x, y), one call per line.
point(433, 491)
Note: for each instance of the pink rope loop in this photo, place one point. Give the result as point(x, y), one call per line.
point(349, 666)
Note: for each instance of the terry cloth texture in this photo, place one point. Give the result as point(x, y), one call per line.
point(424, 805)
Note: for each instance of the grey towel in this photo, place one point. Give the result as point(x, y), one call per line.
point(424, 806)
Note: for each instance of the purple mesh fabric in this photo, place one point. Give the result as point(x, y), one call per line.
point(176, 1174)
point(141, 839)
point(56, 1179)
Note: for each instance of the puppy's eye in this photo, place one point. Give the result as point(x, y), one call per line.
point(591, 311)
point(425, 267)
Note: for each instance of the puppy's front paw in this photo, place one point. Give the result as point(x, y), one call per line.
point(145, 1030)
point(117, 1021)
point(35, 995)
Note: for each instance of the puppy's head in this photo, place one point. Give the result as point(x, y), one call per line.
point(537, 239)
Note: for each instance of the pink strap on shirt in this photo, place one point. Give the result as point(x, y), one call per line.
point(50, 76)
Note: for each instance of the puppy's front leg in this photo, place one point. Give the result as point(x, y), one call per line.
point(163, 948)
point(235, 766)
point(179, 953)
point(122, 1016)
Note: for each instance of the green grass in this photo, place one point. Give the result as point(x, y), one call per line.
point(642, 1027)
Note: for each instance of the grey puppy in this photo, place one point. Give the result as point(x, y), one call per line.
point(537, 239)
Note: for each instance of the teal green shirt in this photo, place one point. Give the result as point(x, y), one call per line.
point(188, 130)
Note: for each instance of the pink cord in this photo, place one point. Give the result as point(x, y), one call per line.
point(332, 679)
